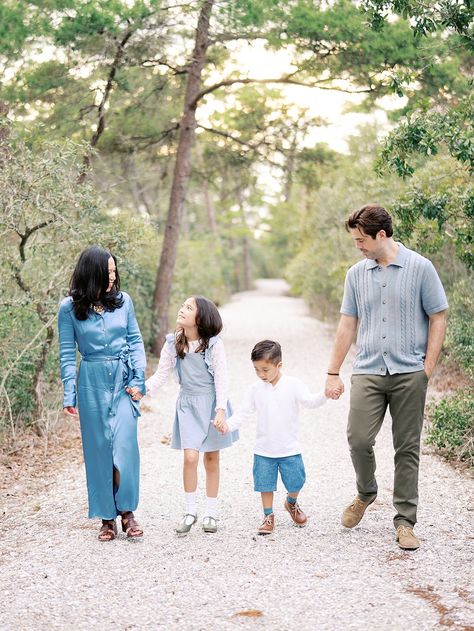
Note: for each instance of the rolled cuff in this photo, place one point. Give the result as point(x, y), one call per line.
point(69, 399)
point(138, 381)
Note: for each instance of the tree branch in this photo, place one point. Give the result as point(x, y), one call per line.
point(285, 80)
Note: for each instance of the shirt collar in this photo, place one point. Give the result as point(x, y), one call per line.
point(399, 261)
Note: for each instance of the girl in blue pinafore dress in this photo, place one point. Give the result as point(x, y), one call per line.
point(100, 321)
point(196, 353)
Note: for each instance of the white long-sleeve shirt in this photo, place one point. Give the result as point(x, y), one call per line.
point(277, 414)
point(167, 364)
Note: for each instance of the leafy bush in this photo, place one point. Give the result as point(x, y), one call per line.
point(460, 333)
point(452, 426)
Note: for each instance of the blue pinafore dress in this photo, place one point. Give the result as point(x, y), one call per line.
point(196, 404)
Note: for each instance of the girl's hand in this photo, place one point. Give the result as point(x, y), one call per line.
point(219, 421)
point(221, 426)
point(134, 393)
point(70, 411)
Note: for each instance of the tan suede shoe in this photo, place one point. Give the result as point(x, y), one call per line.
point(268, 525)
point(406, 538)
point(354, 512)
point(296, 514)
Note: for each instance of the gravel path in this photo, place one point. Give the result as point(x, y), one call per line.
point(56, 575)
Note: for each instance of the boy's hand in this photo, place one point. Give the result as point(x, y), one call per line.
point(70, 411)
point(336, 393)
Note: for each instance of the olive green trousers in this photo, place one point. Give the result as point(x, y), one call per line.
point(404, 395)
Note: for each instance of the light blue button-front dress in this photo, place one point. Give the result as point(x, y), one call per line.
point(112, 358)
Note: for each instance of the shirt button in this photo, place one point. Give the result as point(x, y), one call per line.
point(110, 373)
point(383, 302)
point(385, 352)
point(384, 319)
point(106, 344)
point(384, 336)
point(384, 285)
point(381, 369)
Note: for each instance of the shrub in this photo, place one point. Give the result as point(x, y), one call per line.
point(452, 426)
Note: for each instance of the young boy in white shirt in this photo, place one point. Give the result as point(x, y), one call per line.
point(276, 399)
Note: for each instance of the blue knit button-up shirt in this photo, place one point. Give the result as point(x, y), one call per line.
point(392, 305)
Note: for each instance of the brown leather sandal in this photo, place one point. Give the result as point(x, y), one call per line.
point(108, 530)
point(130, 525)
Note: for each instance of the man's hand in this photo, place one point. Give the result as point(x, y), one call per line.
point(334, 387)
point(70, 411)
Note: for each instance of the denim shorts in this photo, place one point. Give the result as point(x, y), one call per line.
point(265, 473)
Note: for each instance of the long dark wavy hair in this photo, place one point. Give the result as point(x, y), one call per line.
point(208, 322)
point(90, 280)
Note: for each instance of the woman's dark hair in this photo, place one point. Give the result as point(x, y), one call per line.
point(90, 280)
point(371, 219)
point(268, 350)
point(208, 322)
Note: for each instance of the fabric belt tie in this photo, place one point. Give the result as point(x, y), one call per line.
point(124, 364)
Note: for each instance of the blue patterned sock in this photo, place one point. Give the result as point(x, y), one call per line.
point(267, 511)
point(291, 500)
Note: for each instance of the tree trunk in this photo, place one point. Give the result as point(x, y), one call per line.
point(246, 262)
point(182, 168)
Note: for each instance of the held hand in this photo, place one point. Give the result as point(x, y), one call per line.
point(221, 426)
point(334, 387)
point(70, 411)
point(219, 421)
point(134, 393)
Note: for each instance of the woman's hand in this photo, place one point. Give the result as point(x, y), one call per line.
point(134, 393)
point(70, 411)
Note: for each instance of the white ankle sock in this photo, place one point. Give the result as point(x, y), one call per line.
point(211, 507)
point(190, 503)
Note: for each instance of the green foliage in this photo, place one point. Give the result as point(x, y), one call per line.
point(460, 334)
point(452, 426)
point(427, 17)
point(425, 134)
point(46, 219)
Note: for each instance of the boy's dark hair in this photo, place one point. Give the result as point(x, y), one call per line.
point(371, 219)
point(266, 349)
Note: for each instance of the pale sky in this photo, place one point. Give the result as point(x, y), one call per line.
point(252, 60)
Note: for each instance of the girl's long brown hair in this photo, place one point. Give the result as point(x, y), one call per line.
point(208, 322)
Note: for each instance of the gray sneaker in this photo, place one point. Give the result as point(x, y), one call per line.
point(185, 526)
point(209, 524)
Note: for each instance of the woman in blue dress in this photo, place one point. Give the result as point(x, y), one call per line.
point(100, 320)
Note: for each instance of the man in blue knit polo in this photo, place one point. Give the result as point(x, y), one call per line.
point(396, 303)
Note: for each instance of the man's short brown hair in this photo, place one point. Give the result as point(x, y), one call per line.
point(371, 219)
